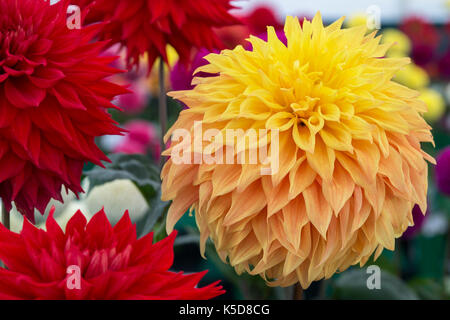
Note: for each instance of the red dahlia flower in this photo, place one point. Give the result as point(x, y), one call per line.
point(53, 101)
point(261, 17)
point(425, 39)
point(148, 26)
point(92, 261)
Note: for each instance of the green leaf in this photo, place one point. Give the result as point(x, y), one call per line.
point(429, 289)
point(352, 285)
point(155, 216)
point(136, 168)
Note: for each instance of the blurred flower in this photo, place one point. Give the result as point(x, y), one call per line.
point(136, 101)
point(419, 219)
point(142, 137)
point(147, 26)
point(413, 77)
point(153, 80)
point(233, 35)
point(425, 39)
point(358, 19)
point(112, 263)
point(115, 197)
point(350, 168)
point(181, 76)
point(261, 17)
point(53, 101)
point(435, 103)
point(254, 23)
point(443, 171)
point(444, 65)
point(401, 45)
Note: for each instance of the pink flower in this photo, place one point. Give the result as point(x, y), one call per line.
point(142, 137)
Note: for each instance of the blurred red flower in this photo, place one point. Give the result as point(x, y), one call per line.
point(261, 17)
point(444, 65)
point(53, 101)
point(424, 37)
point(254, 23)
point(148, 26)
point(93, 261)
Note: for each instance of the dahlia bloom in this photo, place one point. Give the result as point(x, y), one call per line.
point(435, 102)
point(443, 171)
point(350, 168)
point(253, 23)
point(444, 65)
point(109, 263)
point(141, 138)
point(413, 77)
point(53, 101)
point(137, 100)
point(402, 44)
point(424, 37)
point(148, 26)
point(261, 17)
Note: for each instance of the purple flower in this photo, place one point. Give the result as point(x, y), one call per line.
point(443, 171)
point(419, 219)
point(181, 76)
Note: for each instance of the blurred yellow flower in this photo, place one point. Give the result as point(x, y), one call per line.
point(351, 166)
point(435, 102)
point(153, 80)
point(413, 77)
point(356, 20)
point(401, 45)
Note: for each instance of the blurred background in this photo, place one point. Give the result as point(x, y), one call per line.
point(419, 268)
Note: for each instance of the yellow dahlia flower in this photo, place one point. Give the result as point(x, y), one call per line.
point(401, 44)
point(357, 19)
point(350, 163)
point(435, 102)
point(413, 77)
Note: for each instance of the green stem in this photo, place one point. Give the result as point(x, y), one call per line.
point(6, 217)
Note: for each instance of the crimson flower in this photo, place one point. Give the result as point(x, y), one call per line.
point(148, 26)
point(261, 17)
point(53, 101)
point(444, 65)
point(92, 261)
point(254, 23)
point(424, 37)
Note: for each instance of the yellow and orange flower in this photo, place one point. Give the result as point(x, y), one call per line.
point(351, 166)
